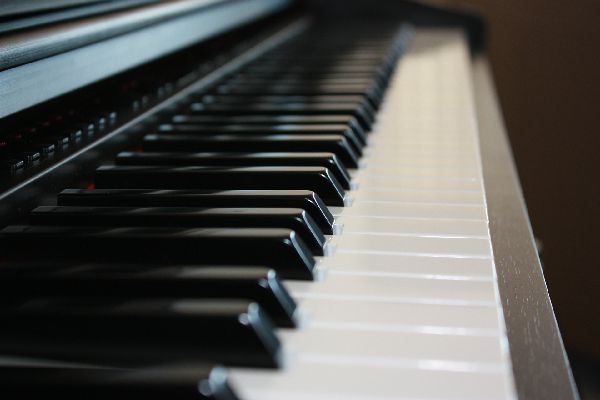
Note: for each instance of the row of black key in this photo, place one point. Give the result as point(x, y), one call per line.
point(190, 232)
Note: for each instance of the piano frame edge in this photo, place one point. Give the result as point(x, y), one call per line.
point(540, 365)
point(44, 79)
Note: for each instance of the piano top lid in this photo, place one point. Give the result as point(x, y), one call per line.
point(33, 63)
point(22, 47)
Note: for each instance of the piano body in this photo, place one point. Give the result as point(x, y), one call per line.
point(263, 200)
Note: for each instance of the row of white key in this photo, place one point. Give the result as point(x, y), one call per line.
point(408, 307)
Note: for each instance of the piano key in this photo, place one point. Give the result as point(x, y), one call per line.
point(358, 313)
point(360, 103)
point(322, 98)
point(372, 93)
point(208, 119)
point(303, 199)
point(302, 81)
point(407, 265)
point(415, 245)
point(258, 284)
point(418, 196)
point(403, 289)
point(280, 249)
point(390, 209)
point(392, 345)
point(333, 70)
point(295, 219)
point(320, 378)
point(186, 382)
point(318, 179)
point(327, 160)
point(328, 64)
point(96, 330)
point(196, 129)
point(414, 226)
point(325, 56)
point(277, 74)
point(364, 117)
point(333, 67)
point(336, 144)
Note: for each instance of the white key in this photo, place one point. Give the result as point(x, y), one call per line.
point(407, 245)
point(447, 267)
point(374, 208)
point(422, 226)
point(397, 289)
point(479, 320)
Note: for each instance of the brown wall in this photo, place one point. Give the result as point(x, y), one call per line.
point(546, 62)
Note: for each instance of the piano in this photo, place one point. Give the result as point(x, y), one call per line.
point(263, 200)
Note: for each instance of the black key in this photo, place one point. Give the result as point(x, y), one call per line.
point(323, 98)
point(307, 82)
point(318, 179)
point(207, 119)
point(364, 118)
point(208, 130)
point(254, 144)
point(327, 160)
point(321, 67)
point(304, 199)
point(258, 284)
point(331, 65)
point(326, 56)
point(280, 249)
point(372, 93)
point(312, 75)
point(184, 382)
point(290, 218)
point(265, 68)
point(360, 103)
point(134, 333)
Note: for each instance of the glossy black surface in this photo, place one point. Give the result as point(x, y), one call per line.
point(261, 285)
point(304, 199)
point(336, 144)
point(295, 219)
point(283, 129)
point(280, 249)
point(98, 330)
point(365, 119)
point(261, 119)
point(183, 381)
point(317, 179)
point(327, 160)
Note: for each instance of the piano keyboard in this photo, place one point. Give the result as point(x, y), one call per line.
point(367, 203)
point(409, 306)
